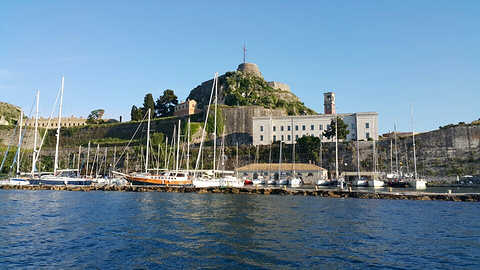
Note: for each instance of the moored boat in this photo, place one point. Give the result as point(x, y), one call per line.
point(360, 182)
point(375, 183)
point(172, 178)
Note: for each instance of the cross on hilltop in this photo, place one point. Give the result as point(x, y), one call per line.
point(244, 52)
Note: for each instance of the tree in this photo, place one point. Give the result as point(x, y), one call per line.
point(309, 146)
point(148, 103)
point(136, 114)
point(342, 129)
point(165, 105)
point(95, 117)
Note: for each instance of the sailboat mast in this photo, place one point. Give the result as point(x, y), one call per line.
point(358, 149)
point(280, 161)
point(20, 141)
point(34, 157)
point(188, 145)
point(148, 141)
point(178, 146)
point(336, 147)
point(78, 162)
point(413, 141)
point(374, 152)
point(396, 148)
point(166, 152)
point(88, 159)
point(215, 125)
point(58, 128)
point(293, 159)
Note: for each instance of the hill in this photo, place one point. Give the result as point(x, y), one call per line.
point(247, 87)
point(9, 113)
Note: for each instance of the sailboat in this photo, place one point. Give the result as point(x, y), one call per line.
point(395, 178)
point(16, 181)
point(282, 179)
point(416, 182)
point(360, 181)
point(60, 177)
point(321, 181)
point(374, 182)
point(294, 181)
point(169, 177)
point(208, 178)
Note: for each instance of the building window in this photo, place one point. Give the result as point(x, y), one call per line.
point(289, 138)
point(261, 128)
point(367, 125)
point(296, 137)
point(353, 126)
point(320, 127)
point(288, 128)
point(367, 135)
point(261, 138)
point(274, 128)
point(296, 127)
point(312, 127)
point(328, 127)
point(281, 128)
point(274, 138)
point(283, 138)
point(303, 127)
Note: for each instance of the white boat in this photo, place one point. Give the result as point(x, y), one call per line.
point(282, 181)
point(271, 182)
point(15, 182)
point(209, 178)
point(360, 182)
point(375, 183)
point(322, 182)
point(203, 182)
point(231, 181)
point(295, 182)
point(259, 181)
point(418, 183)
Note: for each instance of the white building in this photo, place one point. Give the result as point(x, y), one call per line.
point(289, 128)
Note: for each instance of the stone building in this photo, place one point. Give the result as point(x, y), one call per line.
point(289, 128)
point(186, 108)
point(65, 122)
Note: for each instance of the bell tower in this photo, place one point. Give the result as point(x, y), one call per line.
point(329, 102)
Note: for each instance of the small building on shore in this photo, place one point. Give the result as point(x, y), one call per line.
point(186, 108)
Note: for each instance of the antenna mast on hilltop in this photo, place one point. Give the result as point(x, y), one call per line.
point(244, 52)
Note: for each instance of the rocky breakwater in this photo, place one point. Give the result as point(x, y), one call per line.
point(465, 197)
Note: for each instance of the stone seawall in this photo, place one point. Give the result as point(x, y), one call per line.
point(465, 197)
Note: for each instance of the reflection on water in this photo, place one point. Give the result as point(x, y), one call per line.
point(41, 229)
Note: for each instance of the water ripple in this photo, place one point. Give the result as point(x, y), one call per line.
point(56, 229)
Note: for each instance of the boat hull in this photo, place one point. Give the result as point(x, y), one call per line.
point(61, 182)
point(418, 184)
point(168, 179)
point(15, 182)
point(206, 183)
point(360, 183)
point(375, 183)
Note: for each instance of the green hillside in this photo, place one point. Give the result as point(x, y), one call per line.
point(9, 113)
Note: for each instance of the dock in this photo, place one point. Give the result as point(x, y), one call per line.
point(262, 190)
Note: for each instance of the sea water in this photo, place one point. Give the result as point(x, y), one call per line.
point(157, 230)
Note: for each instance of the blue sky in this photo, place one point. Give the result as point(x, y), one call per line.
point(375, 55)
